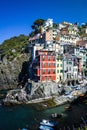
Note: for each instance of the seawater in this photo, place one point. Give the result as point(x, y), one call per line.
point(13, 118)
point(26, 116)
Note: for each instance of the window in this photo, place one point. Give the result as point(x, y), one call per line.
point(70, 76)
point(54, 58)
point(69, 68)
point(44, 71)
point(57, 65)
point(57, 71)
point(44, 64)
point(67, 76)
point(48, 71)
point(48, 64)
point(70, 62)
point(60, 65)
point(58, 59)
point(54, 64)
point(61, 71)
point(54, 71)
point(75, 69)
point(61, 58)
point(48, 57)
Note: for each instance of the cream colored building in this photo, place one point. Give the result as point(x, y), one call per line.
point(73, 30)
point(34, 49)
point(47, 24)
point(59, 67)
point(68, 39)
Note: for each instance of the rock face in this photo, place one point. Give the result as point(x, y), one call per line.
point(37, 91)
point(12, 71)
point(45, 89)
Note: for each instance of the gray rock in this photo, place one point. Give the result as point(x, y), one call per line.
point(38, 91)
point(9, 71)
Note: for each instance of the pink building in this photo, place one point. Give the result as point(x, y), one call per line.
point(48, 35)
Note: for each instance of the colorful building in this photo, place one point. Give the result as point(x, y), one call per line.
point(70, 67)
point(44, 65)
point(54, 52)
point(82, 54)
point(59, 67)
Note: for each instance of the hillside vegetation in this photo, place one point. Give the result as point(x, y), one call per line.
point(14, 56)
point(13, 46)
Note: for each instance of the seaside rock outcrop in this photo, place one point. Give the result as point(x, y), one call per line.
point(39, 90)
point(10, 70)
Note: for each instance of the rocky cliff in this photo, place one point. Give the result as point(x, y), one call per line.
point(13, 72)
point(33, 92)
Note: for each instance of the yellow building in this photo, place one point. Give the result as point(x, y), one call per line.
point(59, 67)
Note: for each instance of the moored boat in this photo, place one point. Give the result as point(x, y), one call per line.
point(43, 127)
point(55, 115)
point(48, 123)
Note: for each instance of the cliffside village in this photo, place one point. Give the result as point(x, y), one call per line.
point(58, 58)
point(58, 53)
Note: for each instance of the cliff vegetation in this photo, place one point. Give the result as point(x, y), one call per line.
point(14, 54)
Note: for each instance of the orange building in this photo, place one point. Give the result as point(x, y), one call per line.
point(44, 65)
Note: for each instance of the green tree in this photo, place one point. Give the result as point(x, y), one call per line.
point(13, 46)
point(37, 26)
point(39, 22)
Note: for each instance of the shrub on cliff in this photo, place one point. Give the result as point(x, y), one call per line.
point(13, 46)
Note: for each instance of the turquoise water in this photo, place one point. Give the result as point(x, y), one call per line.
point(26, 116)
point(12, 118)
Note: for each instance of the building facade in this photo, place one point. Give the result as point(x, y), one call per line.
point(70, 68)
point(59, 67)
point(45, 66)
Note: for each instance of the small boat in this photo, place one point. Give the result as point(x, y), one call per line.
point(69, 108)
point(43, 127)
point(55, 115)
point(48, 123)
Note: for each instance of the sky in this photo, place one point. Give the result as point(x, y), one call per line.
point(17, 16)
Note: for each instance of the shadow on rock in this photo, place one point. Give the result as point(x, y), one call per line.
point(24, 74)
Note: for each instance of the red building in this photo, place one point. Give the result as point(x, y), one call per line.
point(44, 65)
